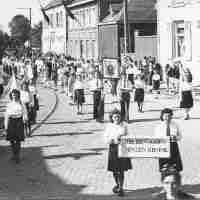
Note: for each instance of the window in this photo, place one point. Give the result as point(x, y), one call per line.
point(61, 19)
point(93, 48)
point(87, 48)
point(57, 19)
point(51, 20)
point(181, 31)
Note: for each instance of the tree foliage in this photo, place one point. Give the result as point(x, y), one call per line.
point(20, 28)
point(4, 42)
point(36, 35)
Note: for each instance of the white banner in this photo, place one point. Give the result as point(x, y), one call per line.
point(132, 147)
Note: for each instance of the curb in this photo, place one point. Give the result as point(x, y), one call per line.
point(52, 110)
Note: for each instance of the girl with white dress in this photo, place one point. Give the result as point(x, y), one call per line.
point(113, 132)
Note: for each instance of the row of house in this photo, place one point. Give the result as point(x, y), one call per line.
point(166, 29)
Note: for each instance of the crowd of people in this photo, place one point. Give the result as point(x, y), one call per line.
point(78, 77)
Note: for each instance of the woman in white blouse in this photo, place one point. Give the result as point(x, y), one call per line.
point(168, 127)
point(113, 132)
point(139, 92)
point(27, 101)
point(15, 116)
point(79, 97)
point(186, 99)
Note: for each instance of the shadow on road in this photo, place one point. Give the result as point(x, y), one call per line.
point(62, 134)
point(76, 156)
point(32, 179)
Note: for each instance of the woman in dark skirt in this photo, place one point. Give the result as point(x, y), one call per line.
point(169, 128)
point(139, 92)
point(15, 116)
point(186, 101)
point(114, 131)
point(156, 83)
point(79, 97)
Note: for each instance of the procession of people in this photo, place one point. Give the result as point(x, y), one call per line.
point(135, 80)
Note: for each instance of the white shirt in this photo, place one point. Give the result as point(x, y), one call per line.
point(25, 97)
point(95, 84)
point(156, 77)
point(160, 130)
point(78, 85)
point(139, 84)
point(113, 131)
point(16, 110)
point(185, 86)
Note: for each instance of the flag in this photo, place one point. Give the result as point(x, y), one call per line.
point(69, 12)
point(46, 17)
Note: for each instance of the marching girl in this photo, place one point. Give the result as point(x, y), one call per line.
point(185, 92)
point(79, 97)
point(15, 117)
point(125, 87)
point(35, 106)
point(26, 100)
point(169, 128)
point(156, 83)
point(113, 132)
point(139, 92)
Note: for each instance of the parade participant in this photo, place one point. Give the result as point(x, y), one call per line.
point(156, 83)
point(169, 128)
point(139, 92)
point(113, 133)
point(71, 81)
point(124, 89)
point(79, 97)
point(1, 84)
point(15, 116)
point(26, 100)
point(29, 69)
point(35, 105)
point(95, 87)
point(186, 99)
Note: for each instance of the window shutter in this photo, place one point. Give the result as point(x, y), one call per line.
point(188, 41)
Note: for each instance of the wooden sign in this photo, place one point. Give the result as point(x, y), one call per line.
point(135, 147)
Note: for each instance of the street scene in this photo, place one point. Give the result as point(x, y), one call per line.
point(100, 100)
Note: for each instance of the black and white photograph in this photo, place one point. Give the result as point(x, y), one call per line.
point(99, 99)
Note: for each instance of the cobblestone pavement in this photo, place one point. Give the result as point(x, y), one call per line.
point(66, 157)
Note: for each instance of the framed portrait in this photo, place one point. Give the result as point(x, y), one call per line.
point(111, 68)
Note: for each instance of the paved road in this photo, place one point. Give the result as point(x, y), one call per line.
point(66, 157)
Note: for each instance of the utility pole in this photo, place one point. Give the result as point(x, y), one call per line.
point(126, 30)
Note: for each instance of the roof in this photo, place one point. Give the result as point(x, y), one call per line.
point(52, 4)
point(56, 3)
point(138, 11)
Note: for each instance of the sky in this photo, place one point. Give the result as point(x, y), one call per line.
point(9, 8)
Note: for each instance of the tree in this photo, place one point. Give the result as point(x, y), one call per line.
point(36, 35)
point(4, 42)
point(20, 28)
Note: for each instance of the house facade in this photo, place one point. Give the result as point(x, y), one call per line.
point(83, 32)
point(54, 34)
point(178, 31)
point(142, 30)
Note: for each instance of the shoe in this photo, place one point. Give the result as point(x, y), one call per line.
point(121, 193)
point(115, 189)
point(187, 117)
